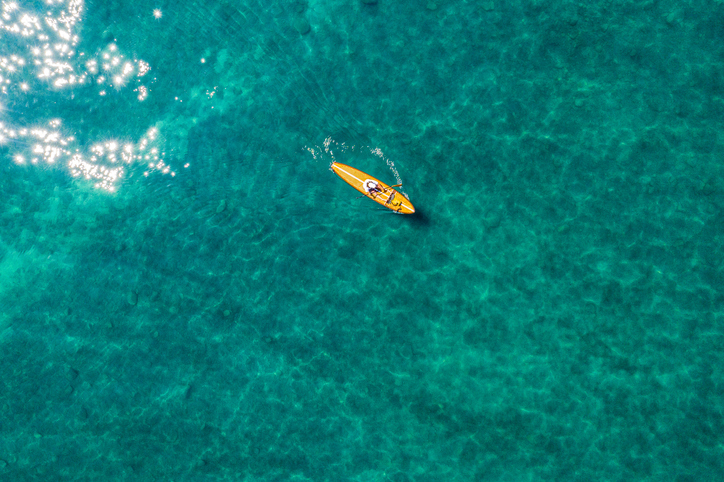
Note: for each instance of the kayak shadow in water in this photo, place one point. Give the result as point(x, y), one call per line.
point(419, 219)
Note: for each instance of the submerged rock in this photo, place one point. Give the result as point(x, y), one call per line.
point(132, 298)
point(302, 26)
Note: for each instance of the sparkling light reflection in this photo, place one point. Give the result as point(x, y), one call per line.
point(45, 58)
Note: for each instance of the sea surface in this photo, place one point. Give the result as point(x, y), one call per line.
point(189, 293)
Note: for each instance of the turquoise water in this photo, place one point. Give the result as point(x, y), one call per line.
point(188, 293)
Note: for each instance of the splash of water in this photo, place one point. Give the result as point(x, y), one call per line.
point(378, 152)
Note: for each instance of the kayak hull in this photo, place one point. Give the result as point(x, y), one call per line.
point(374, 189)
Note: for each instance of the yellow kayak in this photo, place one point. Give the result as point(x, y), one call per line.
point(374, 189)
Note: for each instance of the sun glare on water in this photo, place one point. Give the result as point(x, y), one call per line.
point(43, 60)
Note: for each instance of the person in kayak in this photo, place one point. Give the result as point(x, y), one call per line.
point(373, 188)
